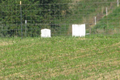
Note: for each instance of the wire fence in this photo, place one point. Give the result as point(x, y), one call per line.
point(27, 20)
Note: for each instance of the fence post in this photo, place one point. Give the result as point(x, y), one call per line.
point(95, 20)
point(25, 27)
point(21, 18)
point(106, 11)
point(117, 3)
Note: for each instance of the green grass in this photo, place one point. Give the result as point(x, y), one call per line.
point(60, 58)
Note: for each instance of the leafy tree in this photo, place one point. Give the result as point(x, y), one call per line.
point(38, 13)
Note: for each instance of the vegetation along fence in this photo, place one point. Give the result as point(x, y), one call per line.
point(26, 18)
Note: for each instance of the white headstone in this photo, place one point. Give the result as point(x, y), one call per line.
point(78, 30)
point(45, 33)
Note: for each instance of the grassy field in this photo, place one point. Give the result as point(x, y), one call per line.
point(60, 58)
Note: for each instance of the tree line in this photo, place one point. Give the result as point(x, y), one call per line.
point(38, 13)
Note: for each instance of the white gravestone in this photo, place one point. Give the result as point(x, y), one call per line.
point(45, 33)
point(78, 30)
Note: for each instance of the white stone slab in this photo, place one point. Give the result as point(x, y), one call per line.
point(78, 30)
point(45, 33)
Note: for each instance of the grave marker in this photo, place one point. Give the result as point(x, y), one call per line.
point(45, 33)
point(78, 30)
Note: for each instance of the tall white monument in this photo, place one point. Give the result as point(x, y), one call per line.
point(78, 30)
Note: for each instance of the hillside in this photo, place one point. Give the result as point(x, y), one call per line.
point(84, 11)
point(109, 24)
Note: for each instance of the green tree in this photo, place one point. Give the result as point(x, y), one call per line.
point(38, 13)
